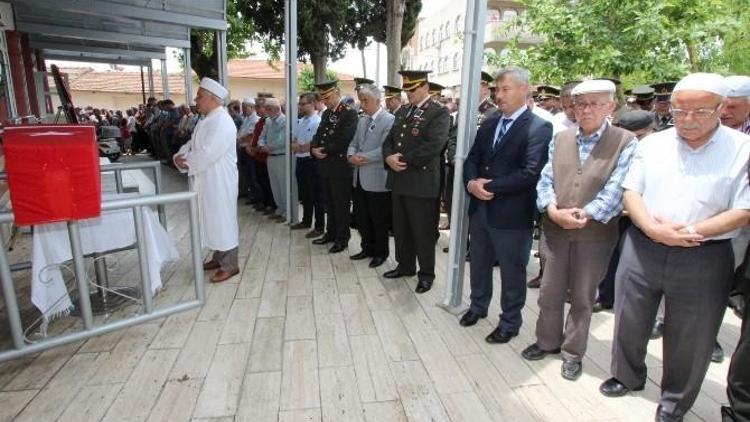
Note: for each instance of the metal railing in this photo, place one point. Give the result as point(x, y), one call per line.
point(155, 166)
point(90, 329)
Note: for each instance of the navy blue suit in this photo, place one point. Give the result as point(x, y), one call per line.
point(501, 228)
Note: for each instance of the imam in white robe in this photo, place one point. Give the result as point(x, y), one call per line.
point(212, 166)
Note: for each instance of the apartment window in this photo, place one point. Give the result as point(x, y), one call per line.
point(446, 30)
point(434, 37)
point(509, 14)
point(455, 61)
point(458, 24)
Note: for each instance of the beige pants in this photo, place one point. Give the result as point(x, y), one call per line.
point(578, 266)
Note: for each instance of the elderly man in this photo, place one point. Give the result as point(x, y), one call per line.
point(306, 171)
point(372, 201)
point(736, 110)
point(580, 192)
point(501, 173)
point(329, 145)
point(245, 163)
point(679, 245)
point(210, 159)
point(413, 154)
point(273, 142)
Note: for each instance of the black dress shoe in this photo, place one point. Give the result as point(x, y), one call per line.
point(535, 282)
point(599, 306)
point(657, 331)
point(423, 286)
point(717, 356)
point(322, 241)
point(470, 318)
point(396, 273)
point(571, 370)
point(534, 352)
point(500, 336)
point(377, 261)
point(337, 247)
point(358, 256)
point(614, 388)
point(314, 233)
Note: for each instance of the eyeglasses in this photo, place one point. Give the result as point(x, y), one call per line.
point(583, 106)
point(303, 103)
point(698, 113)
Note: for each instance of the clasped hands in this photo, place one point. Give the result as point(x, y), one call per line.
point(395, 163)
point(671, 233)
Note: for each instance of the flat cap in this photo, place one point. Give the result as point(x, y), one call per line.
point(594, 86)
point(635, 119)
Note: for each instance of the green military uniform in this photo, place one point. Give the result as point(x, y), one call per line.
point(419, 134)
point(334, 134)
point(663, 93)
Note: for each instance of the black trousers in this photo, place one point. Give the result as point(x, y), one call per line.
point(261, 173)
point(243, 171)
point(738, 379)
point(607, 286)
point(310, 192)
point(415, 233)
point(337, 192)
point(372, 212)
point(509, 247)
point(695, 284)
point(448, 189)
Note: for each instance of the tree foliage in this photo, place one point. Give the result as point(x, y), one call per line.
point(203, 54)
point(369, 17)
point(306, 78)
point(627, 39)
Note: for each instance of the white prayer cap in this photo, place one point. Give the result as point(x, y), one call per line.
point(249, 100)
point(272, 101)
point(594, 86)
point(214, 88)
point(707, 82)
point(739, 86)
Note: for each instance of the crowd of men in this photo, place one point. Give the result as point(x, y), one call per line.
point(638, 203)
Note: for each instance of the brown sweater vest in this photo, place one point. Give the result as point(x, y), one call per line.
point(576, 184)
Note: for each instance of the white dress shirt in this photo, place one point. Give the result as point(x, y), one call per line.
point(688, 185)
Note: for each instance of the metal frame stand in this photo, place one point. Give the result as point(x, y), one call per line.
point(476, 12)
point(290, 22)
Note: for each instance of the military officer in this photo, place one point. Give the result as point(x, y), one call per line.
point(487, 105)
point(392, 97)
point(329, 145)
point(436, 91)
point(548, 98)
point(412, 155)
point(644, 97)
point(662, 116)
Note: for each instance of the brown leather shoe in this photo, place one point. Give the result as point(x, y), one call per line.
point(210, 265)
point(222, 275)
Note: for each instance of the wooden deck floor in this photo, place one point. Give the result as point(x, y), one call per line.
point(303, 335)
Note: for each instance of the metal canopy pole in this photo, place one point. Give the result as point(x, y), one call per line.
point(188, 77)
point(150, 79)
point(476, 12)
point(221, 44)
point(164, 79)
point(290, 22)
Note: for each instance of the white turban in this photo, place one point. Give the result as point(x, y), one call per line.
point(248, 100)
point(707, 82)
point(739, 86)
point(594, 86)
point(214, 88)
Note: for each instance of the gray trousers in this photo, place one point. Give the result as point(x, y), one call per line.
point(695, 285)
point(574, 265)
point(228, 260)
point(277, 175)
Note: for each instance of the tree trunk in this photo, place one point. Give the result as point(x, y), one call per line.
point(319, 66)
point(203, 64)
point(394, 22)
point(364, 63)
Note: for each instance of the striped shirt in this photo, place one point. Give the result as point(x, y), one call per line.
point(607, 204)
point(686, 185)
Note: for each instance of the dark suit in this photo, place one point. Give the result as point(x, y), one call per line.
point(334, 133)
point(501, 228)
point(419, 135)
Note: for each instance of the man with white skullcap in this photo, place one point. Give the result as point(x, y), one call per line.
point(210, 159)
point(687, 195)
point(579, 190)
point(736, 110)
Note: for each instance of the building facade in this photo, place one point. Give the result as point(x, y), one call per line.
point(437, 44)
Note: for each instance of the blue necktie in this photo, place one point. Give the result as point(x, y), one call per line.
point(503, 129)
